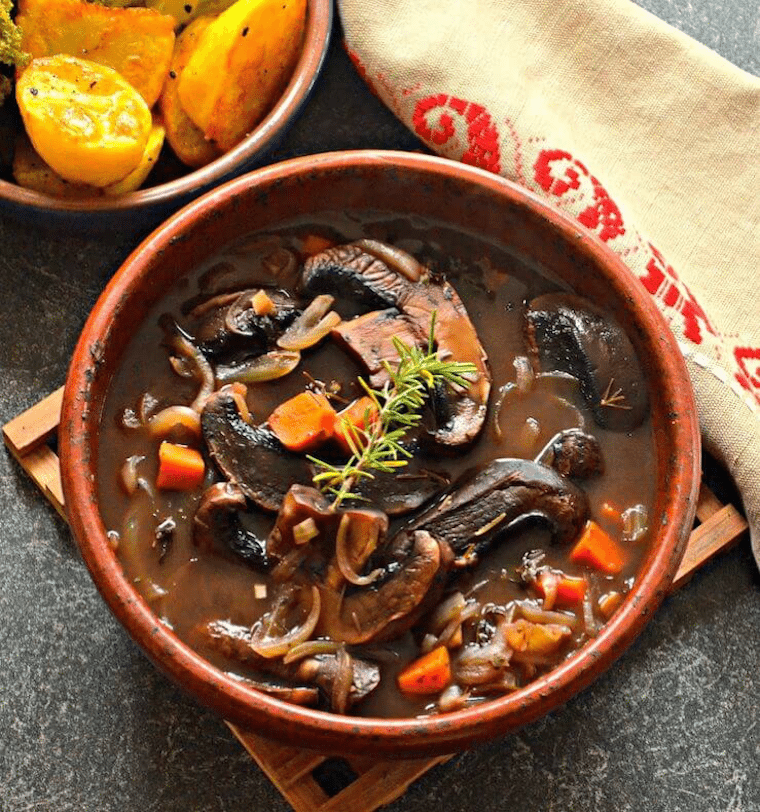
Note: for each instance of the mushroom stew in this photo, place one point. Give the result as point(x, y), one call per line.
point(378, 466)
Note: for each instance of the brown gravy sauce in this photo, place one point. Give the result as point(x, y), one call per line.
point(186, 587)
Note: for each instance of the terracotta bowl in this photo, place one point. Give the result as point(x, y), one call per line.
point(147, 207)
point(413, 185)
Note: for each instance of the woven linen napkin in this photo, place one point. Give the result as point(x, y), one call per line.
point(648, 138)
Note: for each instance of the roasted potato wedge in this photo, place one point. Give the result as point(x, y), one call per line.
point(31, 172)
point(183, 12)
point(135, 179)
point(241, 65)
point(136, 42)
point(187, 140)
point(87, 122)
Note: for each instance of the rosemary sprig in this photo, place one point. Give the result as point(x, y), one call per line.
point(377, 447)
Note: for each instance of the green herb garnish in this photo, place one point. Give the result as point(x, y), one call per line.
point(377, 447)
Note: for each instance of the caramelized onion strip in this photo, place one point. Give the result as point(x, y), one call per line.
point(271, 647)
point(311, 326)
point(342, 558)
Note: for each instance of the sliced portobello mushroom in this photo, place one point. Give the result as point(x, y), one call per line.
point(354, 273)
point(234, 328)
point(566, 333)
point(480, 510)
point(573, 453)
point(217, 522)
point(249, 456)
point(319, 672)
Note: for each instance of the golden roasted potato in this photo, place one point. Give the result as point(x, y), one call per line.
point(136, 42)
point(31, 172)
point(135, 179)
point(183, 12)
point(187, 141)
point(85, 121)
point(242, 63)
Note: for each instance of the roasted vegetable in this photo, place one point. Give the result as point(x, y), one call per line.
point(183, 12)
point(136, 42)
point(187, 140)
point(135, 179)
point(242, 63)
point(31, 172)
point(84, 119)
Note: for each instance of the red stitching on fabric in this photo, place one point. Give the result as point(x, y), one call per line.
point(482, 136)
point(663, 283)
point(749, 379)
point(603, 214)
point(519, 175)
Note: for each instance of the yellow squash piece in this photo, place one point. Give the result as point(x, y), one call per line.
point(135, 179)
point(187, 140)
point(241, 66)
point(31, 172)
point(136, 42)
point(84, 120)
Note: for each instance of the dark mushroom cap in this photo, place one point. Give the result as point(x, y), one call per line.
point(568, 334)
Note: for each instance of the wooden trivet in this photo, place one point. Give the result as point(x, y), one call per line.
point(309, 781)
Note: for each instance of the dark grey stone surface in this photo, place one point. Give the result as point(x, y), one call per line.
point(86, 723)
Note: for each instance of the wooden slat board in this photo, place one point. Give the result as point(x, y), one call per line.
point(313, 782)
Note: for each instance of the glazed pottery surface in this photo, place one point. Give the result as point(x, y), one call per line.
point(408, 184)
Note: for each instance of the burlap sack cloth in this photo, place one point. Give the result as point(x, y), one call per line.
point(648, 138)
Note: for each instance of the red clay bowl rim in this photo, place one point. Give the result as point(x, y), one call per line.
point(316, 42)
point(404, 737)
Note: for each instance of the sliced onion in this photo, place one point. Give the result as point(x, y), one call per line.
point(635, 523)
point(524, 375)
point(305, 531)
point(280, 263)
point(266, 367)
point(452, 699)
point(188, 350)
point(450, 609)
point(394, 257)
point(342, 558)
point(344, 678)
point(145, 406)
point(311, 648)
point(161, 424)
point(532, 613)
point(271, 647)
point(128, 478)
point(221, 300)
point(311, 326)
point(592, 627)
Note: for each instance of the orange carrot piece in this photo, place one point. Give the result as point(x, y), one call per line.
point(570, 590)
point(611, 513)
point(262, 304)
point(303, 422)
point(598, 549)
point(361, 414)
point(313, 244)
point(429, 674)
point(179, 468)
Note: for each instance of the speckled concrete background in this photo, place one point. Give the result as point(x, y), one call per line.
point(86, 723)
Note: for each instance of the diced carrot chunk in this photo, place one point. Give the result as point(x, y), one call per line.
point(361, 414)
point(261, 303)
point(313, 244)
point(598, 549)
point(429, 674)
point(570, 591)
point(303, 422)
point(611, 513)
point(179, 468)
